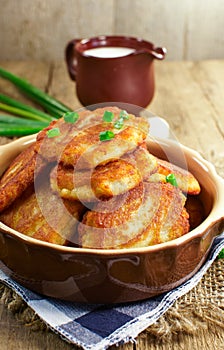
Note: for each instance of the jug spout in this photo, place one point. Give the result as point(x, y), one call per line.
point(159, 52)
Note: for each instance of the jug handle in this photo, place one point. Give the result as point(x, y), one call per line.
point(70, 57)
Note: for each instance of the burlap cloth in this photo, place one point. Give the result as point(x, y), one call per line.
point(202, 307)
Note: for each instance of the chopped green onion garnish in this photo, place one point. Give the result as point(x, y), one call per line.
point(71, 117)
point(106, 135)
point(108, 116)
point(221, 254)
point(124, 114)
point(53, 132)
point(171, 179)
point(119, 123)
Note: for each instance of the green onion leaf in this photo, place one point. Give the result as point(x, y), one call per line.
point(108, 116)
point(119, 123)
point(10, 130)
point(48, 102)
point(172, 179)
point(7, 103)
point(23, 113)
point(53, 132)
point(106, 135)
point(124, 114)
point(11, 119)
point(71, 117)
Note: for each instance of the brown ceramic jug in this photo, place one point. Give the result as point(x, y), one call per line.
point(113, 69)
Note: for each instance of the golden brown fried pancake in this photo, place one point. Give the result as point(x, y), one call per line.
point(51, 148)
point(105, 181)
point(144, 161)
point(87, 151)
point(75, 139)
point(44, 216)
point(146, 215)
point(18, 177)
point(133, 206)
point(185, 180)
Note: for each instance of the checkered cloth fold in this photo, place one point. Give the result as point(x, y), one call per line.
point(96, 327)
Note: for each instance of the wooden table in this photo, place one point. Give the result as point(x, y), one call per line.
point(190, 96)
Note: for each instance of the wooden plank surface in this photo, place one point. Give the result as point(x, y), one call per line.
point(181, 26)
point(42, 30)
point(190, 96)
point(189, 29)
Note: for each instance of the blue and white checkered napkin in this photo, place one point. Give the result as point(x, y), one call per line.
point(96, 327)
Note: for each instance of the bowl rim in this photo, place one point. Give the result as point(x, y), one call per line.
point(216, 214)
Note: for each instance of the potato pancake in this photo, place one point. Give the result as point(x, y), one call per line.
point(90, 181)
point(105, 181)
point(185, 180)
point(44, 215)
point(148, 214)
point(74, 139)
point(18, 177)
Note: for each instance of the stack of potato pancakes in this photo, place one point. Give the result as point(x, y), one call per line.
point(89, 181)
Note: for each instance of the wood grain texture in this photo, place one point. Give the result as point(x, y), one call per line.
point(161, 22)
point(64, 89)
point(41, 30)
point(190, 96)
point(191, 30)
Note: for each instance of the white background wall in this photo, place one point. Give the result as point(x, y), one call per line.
point(40, 29)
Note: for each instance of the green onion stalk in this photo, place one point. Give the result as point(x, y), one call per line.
point(23, 113)
point(13, 106)
point(52, 105)
point(24, 119)
point(10, 130)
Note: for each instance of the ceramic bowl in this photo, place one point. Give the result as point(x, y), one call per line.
point(119, 275)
